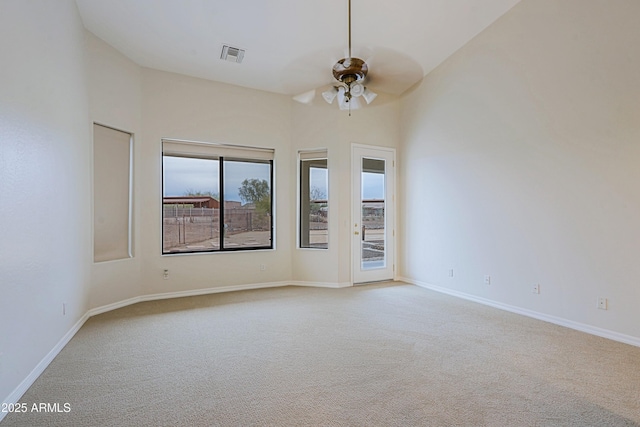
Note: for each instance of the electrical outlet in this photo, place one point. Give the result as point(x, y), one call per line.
point(536, 289)
point(263, 267)
point(451, 272)
point(487, 280)
point(602, 303)
point(165, 274)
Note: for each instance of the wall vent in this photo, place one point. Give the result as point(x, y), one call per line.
point(232, 54)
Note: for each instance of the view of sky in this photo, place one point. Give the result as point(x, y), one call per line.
point(319, 179)
point(182, 174)
point(372, 185)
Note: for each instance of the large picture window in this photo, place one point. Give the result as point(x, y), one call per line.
point(216, 198)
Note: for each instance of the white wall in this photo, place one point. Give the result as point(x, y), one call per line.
point(181, 107)
point(321, 125)
point(188, 108)
point(45, 216)
point(114, 84)
point(176, 106)
point(520, 159)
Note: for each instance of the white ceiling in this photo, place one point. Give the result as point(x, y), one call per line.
point(291, 45)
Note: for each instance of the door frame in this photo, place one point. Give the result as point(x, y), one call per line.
point(390, 201)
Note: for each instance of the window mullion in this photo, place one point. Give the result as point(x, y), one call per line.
point(271, 210)
point(221, 191)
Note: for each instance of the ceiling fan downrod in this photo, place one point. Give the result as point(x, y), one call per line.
point(350, 72)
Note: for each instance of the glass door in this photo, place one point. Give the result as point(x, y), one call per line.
point(373, 212)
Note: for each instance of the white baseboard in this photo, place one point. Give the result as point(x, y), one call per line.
point(332, 285)
point(180, 294)
point(113, 306)
point(582, 327)
point(19, 391)
point(15, 396)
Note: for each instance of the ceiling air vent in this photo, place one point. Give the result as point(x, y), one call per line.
point(232, 54)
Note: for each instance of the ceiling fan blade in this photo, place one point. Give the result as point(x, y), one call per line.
point(312, 70)
point(305, 97)
point(364, 53)
point(391, 71)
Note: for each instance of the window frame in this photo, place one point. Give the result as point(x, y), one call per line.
point(309, 155)
point(237, 153)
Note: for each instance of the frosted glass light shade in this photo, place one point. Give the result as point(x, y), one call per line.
point(369, 96)
point(330, 95)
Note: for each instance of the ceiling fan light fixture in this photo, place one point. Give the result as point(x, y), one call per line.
point(350, 103)
point(330, 95)
point(368, 95)
point(345, 104)
point(355, 103)
point(342, 99)
point(356, 89)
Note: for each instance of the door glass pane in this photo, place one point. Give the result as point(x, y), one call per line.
point(373, 217)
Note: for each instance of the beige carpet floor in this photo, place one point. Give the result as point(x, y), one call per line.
point(377, 355)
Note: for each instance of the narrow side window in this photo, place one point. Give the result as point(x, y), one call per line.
point(314, 200)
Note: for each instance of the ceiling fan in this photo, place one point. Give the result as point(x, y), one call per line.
point(349, 74)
